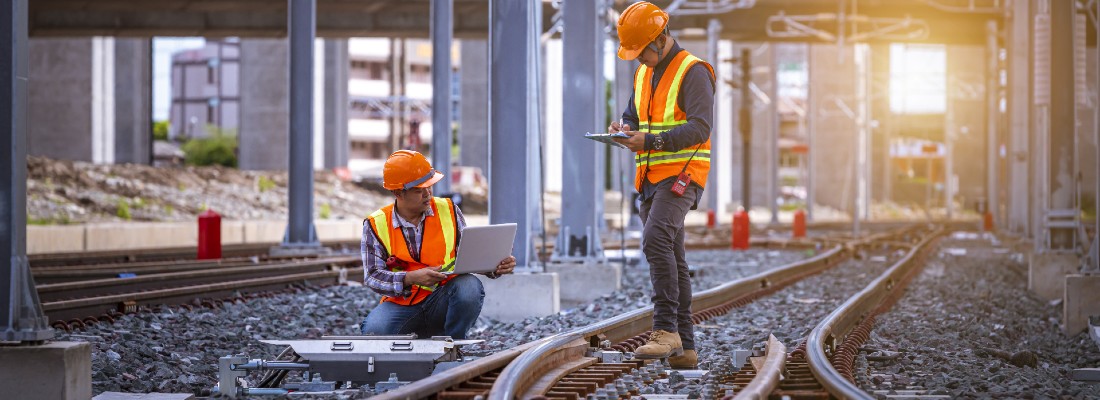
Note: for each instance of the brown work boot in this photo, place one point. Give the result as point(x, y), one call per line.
point(661, 344)
point(690, 360)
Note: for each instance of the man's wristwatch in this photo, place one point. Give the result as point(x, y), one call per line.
point(658, 143)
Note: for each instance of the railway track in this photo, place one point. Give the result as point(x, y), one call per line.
point(589, 360)
point(72, 301)
point(172, 254)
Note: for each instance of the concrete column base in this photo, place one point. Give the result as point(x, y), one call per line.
point(581, 283)
point(1082, 299)
point(1046, 274)
point(53, 371)
point(521, 295)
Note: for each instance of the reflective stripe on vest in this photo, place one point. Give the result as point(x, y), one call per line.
point(659, 111)
point(437, 245)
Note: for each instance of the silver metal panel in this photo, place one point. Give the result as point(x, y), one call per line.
point(300, 231)
point(514, 172)
point(339, 350)
point(21, 316)
point(442, 32)
point(582, 111)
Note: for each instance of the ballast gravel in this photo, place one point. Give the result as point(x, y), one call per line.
point(969, 328)
point(177, 350)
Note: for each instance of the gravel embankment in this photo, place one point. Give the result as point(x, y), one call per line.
point(789, 314)
point(177, 351)
point(969, 328)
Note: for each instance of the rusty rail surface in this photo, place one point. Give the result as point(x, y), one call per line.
point(103, 299)
point(833, 345)
point(512, 373)
point(157, 254)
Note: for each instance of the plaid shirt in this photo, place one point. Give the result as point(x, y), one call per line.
point(376, 275)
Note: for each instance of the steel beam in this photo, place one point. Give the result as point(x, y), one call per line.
point(1062, 155)
point(811, 133)
point(772, 132)
point(1094, 252)
point(992, 142)
point(745, 123)
point(300, 232)
point(21, 316)
point(1019, 118)
point(441, 30)
point(514, 171)
point(336, 96)
point(714, 29)
point(583, 94)
point(624, 88)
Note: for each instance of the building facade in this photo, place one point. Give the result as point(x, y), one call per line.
point(206, 90)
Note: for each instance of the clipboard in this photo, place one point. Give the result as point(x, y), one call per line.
point(607, 138)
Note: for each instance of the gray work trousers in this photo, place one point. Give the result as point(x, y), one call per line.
point(663, 244)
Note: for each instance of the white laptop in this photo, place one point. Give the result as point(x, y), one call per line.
point(483, 247)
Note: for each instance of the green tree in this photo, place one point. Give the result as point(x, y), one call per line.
point(160, 130)
point(220, 148)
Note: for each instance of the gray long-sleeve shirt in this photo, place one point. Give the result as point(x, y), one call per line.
point(696, 98)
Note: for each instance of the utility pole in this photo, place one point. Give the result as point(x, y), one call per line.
point(745, 124)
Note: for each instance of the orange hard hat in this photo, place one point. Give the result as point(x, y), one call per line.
point(406, 169)
point(638, 26)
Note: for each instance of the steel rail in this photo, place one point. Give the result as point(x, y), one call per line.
point(85, 307)
point(518, 376)
point(98, 287)
point(616, 329)
point(155, 254)
point(767, 377)
point(827, 336)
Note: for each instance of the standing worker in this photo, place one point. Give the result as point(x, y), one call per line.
point(407, 246)
point(668, 121)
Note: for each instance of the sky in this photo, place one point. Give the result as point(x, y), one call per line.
point(163, 47)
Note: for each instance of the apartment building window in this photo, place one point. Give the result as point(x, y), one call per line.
point(212, 71)
point(420, 73)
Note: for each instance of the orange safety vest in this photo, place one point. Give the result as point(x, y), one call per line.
point(437, 247)
point(659, 111)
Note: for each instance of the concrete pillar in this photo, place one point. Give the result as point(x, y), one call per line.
point(52, 371)
point(74, 78)
point(1062, 155)
point(133, 101)
point(1019, 118)
point(1047, 274)
point(336, 102)
point(473, 125)
point(832, 95)
point(1082, 299)
point(263, 139)
point(967, 105)
point(881, 174)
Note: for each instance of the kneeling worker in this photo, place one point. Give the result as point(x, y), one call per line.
point(406, 248)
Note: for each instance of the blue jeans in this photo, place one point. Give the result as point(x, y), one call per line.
point(449, 311)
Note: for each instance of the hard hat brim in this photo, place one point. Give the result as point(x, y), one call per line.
point(434, 179)
point(629, 55)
